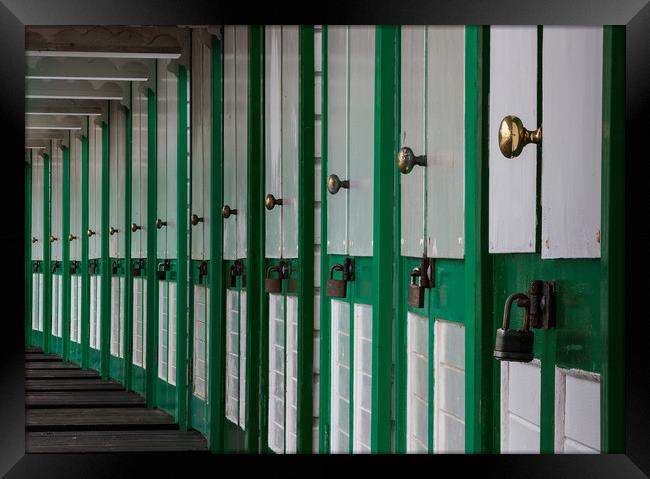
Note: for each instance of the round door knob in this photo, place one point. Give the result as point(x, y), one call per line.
point(227, 211)
point(72, 237)
point(135, 227)
point(53, 239)
point(196, 220)
point(160, 223)
point(90, 232)
point(406, 160)
point(334, 184)
point(112, 230)
point(271, 201)
point(34, 240)
point(513, 137)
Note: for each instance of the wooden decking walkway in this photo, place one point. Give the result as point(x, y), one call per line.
point(72, 410)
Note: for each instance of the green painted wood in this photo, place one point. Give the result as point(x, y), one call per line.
point(183, 253)
point(612, 274)
point(479, 419)
point(47, 254)
point(306, 242)
point(85, 278)
point(383, 245)
point(28, 250)
point(152, 282)
point(126, 227)
point(216, 375)
point(65, 231)
point(105, 315)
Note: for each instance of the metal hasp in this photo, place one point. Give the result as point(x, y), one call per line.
point(539, 312)
point(237, 269)
point(337, 288)
point(513, 137)
point(334, 184)
point(274, 285)
point(426, 273)
point(196, 219)
point(271, 201)
point(406, 160)
point(226, 211)
point(160, 223)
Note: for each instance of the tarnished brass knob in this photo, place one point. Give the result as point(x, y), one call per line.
point(90, 232)
point(160, 223)
point(112, 230)
point(71, 237)
point(135, 227)
point(34, 239)
point(226, 211)
point(406, 160)
point(334, 184)
point(195, 220)
point(270, 201)
point(513, 137)
point(53, 239)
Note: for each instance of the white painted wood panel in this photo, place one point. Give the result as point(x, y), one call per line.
point(229, 144)
point(362, 397)
point(75, 196)
point(201, 341)
point(37, 206)
point(512, 182)
point(572, 137)
point(95, 188)
point(340, 371)
point(520, 406)
point(445, 137)
point(117, 178)
point(417, 384)
point(56, 202)
point(139, 168)
point(277, 344)
point(241, 110)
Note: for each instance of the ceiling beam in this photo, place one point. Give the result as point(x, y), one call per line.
point(53, 123)
point(45, 135)
point(63, 107)
point(72, 89)
point(87, 69)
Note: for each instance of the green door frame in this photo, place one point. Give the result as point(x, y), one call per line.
point(28, 248)
point(47, 255)
point(85, 277)
point(65, 247)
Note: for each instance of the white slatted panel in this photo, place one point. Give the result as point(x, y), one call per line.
point(520, 406)
point(449, 392)
point(232, 355)
point(117, 165)
point(362, 377)
point(229, 143)
point(201, 340)
point(276, 420)
point(171, 375)
point(417, 384)
point(577, 411)
point(292, 375)
point(512, 182)
point(117, 317)
point(95, 311)
point(139, 322)
point(163, 330)
point(139, 164)
point(56, 201)
point(242, 359)
point(95, 189)
point(340, 371)
point(75, 309)
point(75, 196)
point(37, 206)
point(40, 301)
point(241, 109)
point(572, 76)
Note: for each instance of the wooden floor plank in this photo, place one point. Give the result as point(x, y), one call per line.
point(75, 399)
point(63, 384)
point(114, 441)
point(84, 419)
point(60, 373)
point(33, 349)
point(50, 365)
point(41, 357)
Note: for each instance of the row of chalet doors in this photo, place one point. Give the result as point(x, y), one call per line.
point(319, 256)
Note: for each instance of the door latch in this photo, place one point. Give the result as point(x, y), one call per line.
point(274, 285)
point(203, 271)
point(426, 273)
point(236, 269)
point(337, 288)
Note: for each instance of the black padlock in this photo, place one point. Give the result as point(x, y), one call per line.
point(273, 285)
point(416, 291)
point(336, 288)
point(514, 345)
point(232, 278)
point(115, 268)
point(161, 274)
point(203, 271)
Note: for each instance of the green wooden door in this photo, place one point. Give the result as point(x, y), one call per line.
point(430, 340)
point(288, 320)
point(37, 242)
point(74, 239)
point(358, 141)
point(55, 242)
point(546, 223)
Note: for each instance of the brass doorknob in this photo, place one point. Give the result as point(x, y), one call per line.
point(53, 239)
point(90, 232)
point(112, 230)
point(135, 227)
point(227, 211)
point(34, 240)
point(406, 160)
point(72, 237)
point(513, 137)
point(334, 184)
point(160, 223)
point(195, 220)
point(270, 201)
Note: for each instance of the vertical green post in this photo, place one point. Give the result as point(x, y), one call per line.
point(183, 257)
point(383, 234)
point(306, 241)
point(105, 315)
point(28, 248)
point(47, 253)
point(612, 302)
point(65, 245)
point(216, 376)
point(254, 232)
point(85, 279)
point(126, 227)
point(478, 270)
point(152, 316)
